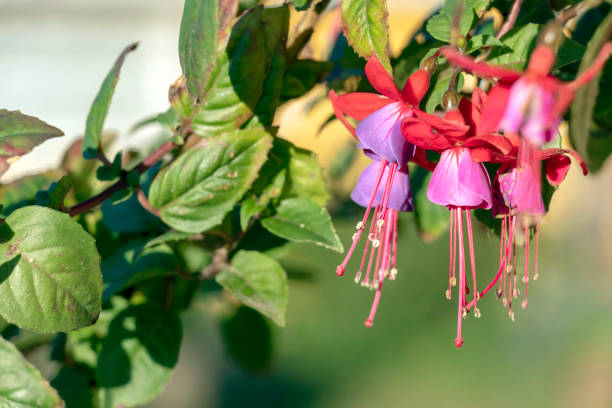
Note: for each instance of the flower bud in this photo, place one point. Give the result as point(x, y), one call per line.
point(551, 35)
point(450, 100)
point(430, 65)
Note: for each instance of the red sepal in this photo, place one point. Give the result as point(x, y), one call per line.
point(420, 158)
point(359, 105)
point(339, 114)
point(479, 68)
point(421, 134)
point(415, 88)
point(493, 110)
point(380, 79)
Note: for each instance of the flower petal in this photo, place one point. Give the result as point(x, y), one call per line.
point(380, 79)
point(491, 141)
point(480, 68)
point(458, 181)
point(449, 128)
point(557, 164)
point(416, 87)
point(421, 134)
point(359, 105)
point(381, 133)
point(400, 197)
point(492, 110)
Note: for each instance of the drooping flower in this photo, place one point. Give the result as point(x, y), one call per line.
point(516, 198)
point(384, 186)
point(529, 103)
point(460, 181)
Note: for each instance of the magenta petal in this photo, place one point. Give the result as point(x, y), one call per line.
point(458, 181)
point(401, 196)
point(521, 192)
point(381, 133)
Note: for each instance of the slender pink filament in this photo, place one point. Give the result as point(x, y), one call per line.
point(471, 246)
point(394, 222)
point(342, 267)
point(458, 339)
point(535, 268)
point(365, 251)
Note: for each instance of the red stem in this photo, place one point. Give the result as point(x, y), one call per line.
point(122, 183)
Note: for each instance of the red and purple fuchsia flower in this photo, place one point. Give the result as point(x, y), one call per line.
point(384, 186)
point(507, 127)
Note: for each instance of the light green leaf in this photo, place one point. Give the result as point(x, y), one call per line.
point(19, 134)
point(301, 220)
point(440, 86)
point(198, 43)
point(520, 41)
point(259, 200)
point(137, 356)
point(50, 276)
point(305, 177)
point(482, 40)
point(195, 192)
point(99, 108)
point(365, 27)
point(235, 84)
point(21, 385)
point(259, 282)
point(439, 26)
point(569, 52)
point(584, 102)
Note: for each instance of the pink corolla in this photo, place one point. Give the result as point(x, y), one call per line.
point(460, 181)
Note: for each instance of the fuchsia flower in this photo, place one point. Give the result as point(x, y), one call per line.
point(515, 196)
point(385, 184)
point(530, 103)
point(459, 181)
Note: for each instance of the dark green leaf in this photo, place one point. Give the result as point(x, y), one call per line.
point(74, 387)
point(19, 134)
point(56, 194)
point(137, 356)
point(50, 276)
point(305, 177)
point(569, 52)
point(198, 43)
point(195, 192)
point(248, 339)
point(301, 4)
point(365, 26)
point(258, 201)
point(23, 191)
point(21, 385)
point(259, 282)
point(275, 28)
point(586, 97)
point(99, 108)
point(301, 220)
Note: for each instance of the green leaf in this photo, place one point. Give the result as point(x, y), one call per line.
point(259, 282)
point(365, 26)
point(21, 385)
point(482, 40)
point(167, 237)
point(301, 220)
point(432, 219)
point(235, 84)
point(520, 41)
point(74, 387)
point(50, 276)
point(55, 195)
point(584, 102)
point(198, 43)
point(439, 26)
point(194, 193)
point(248, 339)
point(305, 176)
point(569, 52)
point(302, 76)
point(137, 356)
point(275, 30)
point(301, 4)
point(259, 200)
point(132, 263)
point(19, 134)
point(23, 191)
point(99, 108)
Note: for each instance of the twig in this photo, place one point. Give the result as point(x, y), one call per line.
point(217, 265)
point(511, 19)
point(122, 183)
point(454, 33)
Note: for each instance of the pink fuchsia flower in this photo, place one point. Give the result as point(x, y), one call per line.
point(380, 115)
point(518, 199)
point(530, 103)
point(459, 181)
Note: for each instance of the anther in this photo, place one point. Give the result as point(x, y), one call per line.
point(355, 236)
point(380, 223)
point(375, 243)
point(448, 294)
point(477, 313)
point(360, 225)
point(515, 293)
point(525, 279)
point(393, 274)
point(340, 270)
point(453, 281)
point(365, 283)
point(511, 314)
point(358, 277)
point(369, 323)
point(498, 293)
point(524, 303)
point(536, 276)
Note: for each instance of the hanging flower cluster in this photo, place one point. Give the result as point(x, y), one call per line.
point(506, 127)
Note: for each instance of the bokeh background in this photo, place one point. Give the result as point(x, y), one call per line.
point(558, 353)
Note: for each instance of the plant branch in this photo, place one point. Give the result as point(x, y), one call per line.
point(454, 33)
point(122, 183)
point(511, 19)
